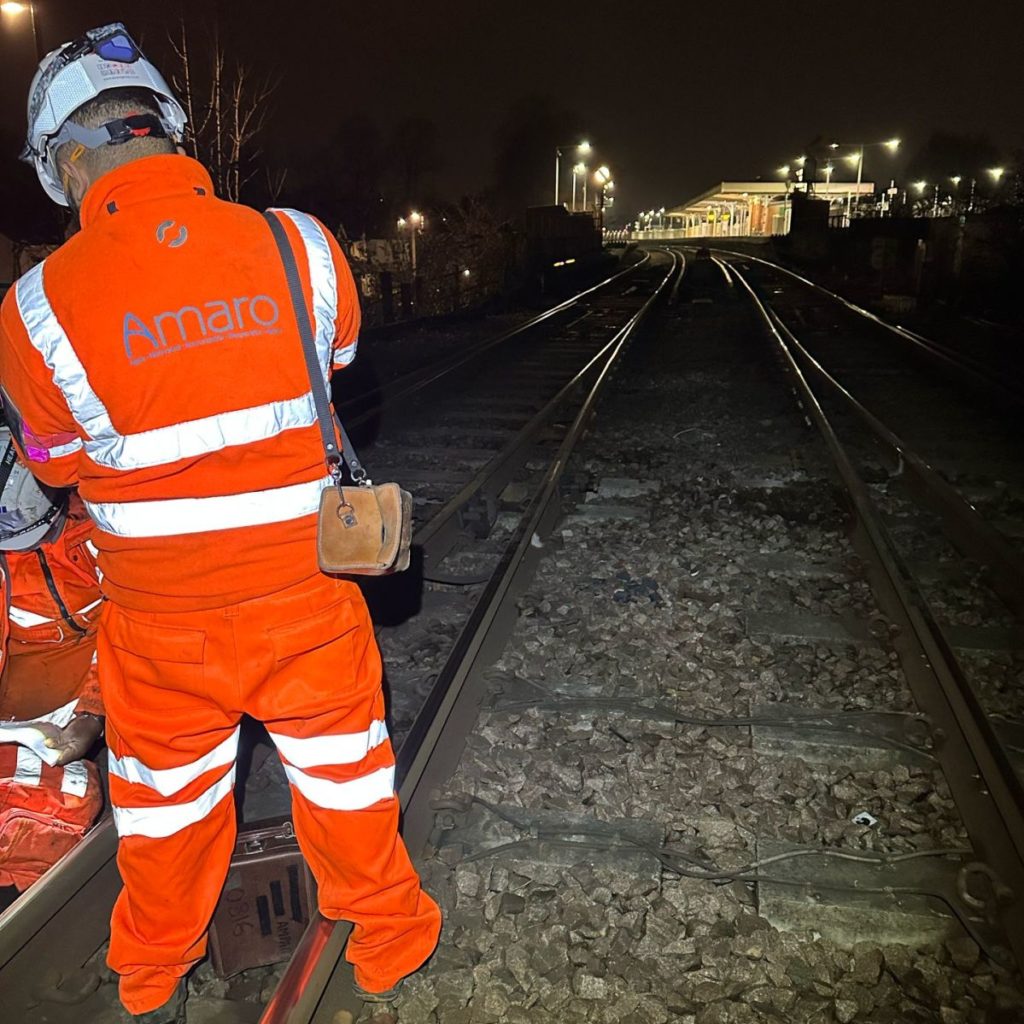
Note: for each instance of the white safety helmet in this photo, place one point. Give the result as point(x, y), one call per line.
point(76, 72)
point(30, 512)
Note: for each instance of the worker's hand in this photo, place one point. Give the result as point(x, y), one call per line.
point(74, 739)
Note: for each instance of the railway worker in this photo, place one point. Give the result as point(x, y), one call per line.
point(154, 361)
point(49, 697)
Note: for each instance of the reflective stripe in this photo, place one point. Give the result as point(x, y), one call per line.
point(344, 356)
point(341, 748)
point(354, 795)
point(168, 781)
point(177, 516)
point(160, 822)
point(165, 445)
point(76, 779)
point(26, 619)
point(29, 770)
point(94, 551)
point(323, 280)
point(51, 342)
point(65, 449)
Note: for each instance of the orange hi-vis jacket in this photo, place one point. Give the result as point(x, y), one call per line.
point(203, 496)
point(48, 636)
point(47, 669)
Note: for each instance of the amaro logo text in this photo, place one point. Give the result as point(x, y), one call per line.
point(190, 326)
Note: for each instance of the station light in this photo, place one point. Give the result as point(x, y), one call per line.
point(956, 179)
point(892, 144)
point(784, 170)
point(852, 158)
point(919, 186)
point(997, 173)
point(401, 222)
point(800, 161)
point(11, 7)
point(583, 148)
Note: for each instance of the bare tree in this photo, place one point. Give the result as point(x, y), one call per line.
point(275, 179)
point(227, 110)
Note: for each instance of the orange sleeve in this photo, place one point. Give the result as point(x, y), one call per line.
point(41, 423)
point(348, 320)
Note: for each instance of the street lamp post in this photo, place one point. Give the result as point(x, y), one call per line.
point(414, 222)
point(890, 144)
point(956, 179)
point(579, 169)
point(602, 178)
point(582, 149)
point(12, 9)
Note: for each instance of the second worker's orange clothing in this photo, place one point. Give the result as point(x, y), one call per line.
point(48, 637)
point(47, 670)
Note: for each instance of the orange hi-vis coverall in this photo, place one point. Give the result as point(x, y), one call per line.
point(48, 672)
point(155, 361)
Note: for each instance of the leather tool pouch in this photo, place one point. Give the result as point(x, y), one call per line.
point(362, 530)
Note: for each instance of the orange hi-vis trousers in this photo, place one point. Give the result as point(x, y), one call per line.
point(175, 685)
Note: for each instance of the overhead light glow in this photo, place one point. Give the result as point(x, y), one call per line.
point(583, 148)
point(11, 7)
point(852, 159)
point(920, 185)
point(800, 161)
point(893, 144)
point(996, 172)
point(784, 170)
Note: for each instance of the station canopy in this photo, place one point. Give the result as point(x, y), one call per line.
point(742, 192)
point(753, 207)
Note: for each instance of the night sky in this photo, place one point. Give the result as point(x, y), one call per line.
point(675, 95)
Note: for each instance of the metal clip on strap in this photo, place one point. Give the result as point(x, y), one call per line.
point(317, 381)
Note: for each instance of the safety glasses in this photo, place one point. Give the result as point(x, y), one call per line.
point(110, 43)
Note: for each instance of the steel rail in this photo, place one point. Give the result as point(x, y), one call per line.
point(417, 380)
point(964, 525)
point(31, 925)
point(316, 985)
point(958, 361)
point(985, 788)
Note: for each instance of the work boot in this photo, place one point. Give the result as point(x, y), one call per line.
point(387, 996)
point(172, 1012)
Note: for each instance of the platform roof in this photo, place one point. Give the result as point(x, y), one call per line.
point(741, 191)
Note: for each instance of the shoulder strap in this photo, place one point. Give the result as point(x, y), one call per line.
point(317, 384)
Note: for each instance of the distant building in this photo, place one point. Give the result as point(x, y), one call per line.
point(749, 209)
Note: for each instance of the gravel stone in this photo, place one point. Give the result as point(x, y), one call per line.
point(964, 952)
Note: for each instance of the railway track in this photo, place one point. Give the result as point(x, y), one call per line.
point(482, 440)
point(978, 747)
point(711, 729)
